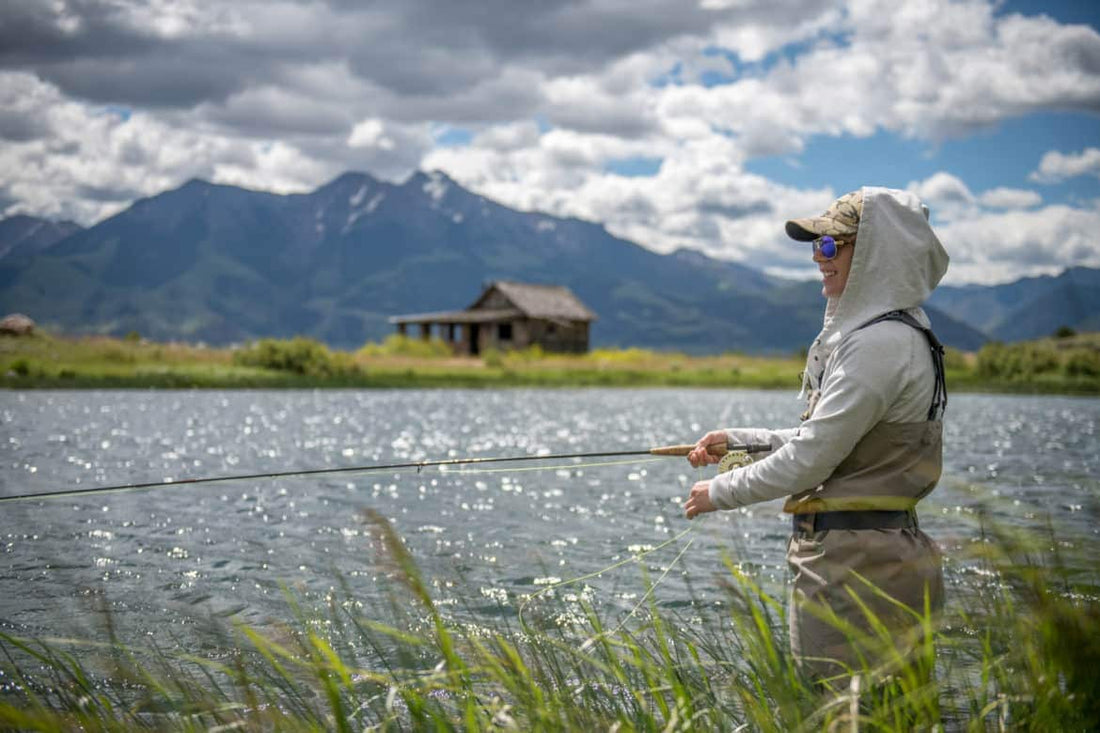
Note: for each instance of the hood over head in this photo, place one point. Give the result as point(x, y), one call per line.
point(896, 263)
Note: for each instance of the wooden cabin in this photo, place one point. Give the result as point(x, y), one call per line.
point(509, 315)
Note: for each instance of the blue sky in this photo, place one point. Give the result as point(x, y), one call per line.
point(1003, 155)
point(700, 125)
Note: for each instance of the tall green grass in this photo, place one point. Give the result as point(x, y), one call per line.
point(1019, 653)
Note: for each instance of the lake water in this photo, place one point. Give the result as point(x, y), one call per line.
point(485, 538)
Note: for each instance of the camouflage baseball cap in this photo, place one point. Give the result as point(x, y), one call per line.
point(839, 220)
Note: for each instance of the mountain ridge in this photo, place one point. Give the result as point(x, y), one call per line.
point(22, 235)
point(224, 264)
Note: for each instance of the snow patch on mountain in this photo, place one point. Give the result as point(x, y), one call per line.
point(357, 197)
point(436, 187)
point(357, 214)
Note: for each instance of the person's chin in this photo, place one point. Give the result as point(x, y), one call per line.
point(830, 288)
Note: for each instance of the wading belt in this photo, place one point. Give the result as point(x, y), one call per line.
point(867, 519)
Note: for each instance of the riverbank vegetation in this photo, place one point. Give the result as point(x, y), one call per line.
point(1069, 364)
point(1017, 652)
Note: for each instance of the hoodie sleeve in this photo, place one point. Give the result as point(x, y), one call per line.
point(864, 377)
point(749, 436)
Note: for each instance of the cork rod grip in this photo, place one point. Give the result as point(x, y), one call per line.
point(715, 449)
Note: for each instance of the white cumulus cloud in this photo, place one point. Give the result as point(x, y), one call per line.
point(1003, 246)
point(370, 134)
point(1003, 197)
point(1056, 166)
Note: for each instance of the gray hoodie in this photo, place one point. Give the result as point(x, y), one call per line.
point(855, 377)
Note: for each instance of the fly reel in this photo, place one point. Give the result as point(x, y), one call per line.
point(733, 459)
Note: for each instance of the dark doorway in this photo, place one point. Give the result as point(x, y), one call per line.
point(474, 338)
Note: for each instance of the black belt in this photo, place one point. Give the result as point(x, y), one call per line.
point(869, 519)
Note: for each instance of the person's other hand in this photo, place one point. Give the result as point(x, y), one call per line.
point(698, 501)
point(699, 455)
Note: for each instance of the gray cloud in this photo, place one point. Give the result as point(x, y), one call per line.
point(20, 127)
point(7, 199)
point(107, 194)
point(118, 52)
point(736, 211)
point(273, 113)
point(165, 79)
point(512, 94)
point(33, 33)
point(568, 35)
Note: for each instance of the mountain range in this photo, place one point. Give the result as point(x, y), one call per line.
point(222, 264)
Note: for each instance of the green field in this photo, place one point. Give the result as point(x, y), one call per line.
point(1069, 365)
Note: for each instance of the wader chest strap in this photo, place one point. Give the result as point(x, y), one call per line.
point(939, 394)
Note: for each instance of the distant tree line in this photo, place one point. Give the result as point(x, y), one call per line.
point(1063, 355)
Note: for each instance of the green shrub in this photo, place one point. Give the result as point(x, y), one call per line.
point(22, 367)
point(954, 359)
point(298, 356)
point(1064, 332)
point(991, 359)
point(1081, 363)
point(1017, 361)
point(492, 358)
point(397, 344)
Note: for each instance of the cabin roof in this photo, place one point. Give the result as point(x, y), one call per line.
point(550, 302)
point(555, 302)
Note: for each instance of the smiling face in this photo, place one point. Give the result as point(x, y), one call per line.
point(834, 272)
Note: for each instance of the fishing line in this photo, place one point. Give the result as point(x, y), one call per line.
point(649, 591)
point(633, 557)
point(561, 466)
point(732, 459)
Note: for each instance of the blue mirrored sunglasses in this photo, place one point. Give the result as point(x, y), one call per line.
point(826, 246)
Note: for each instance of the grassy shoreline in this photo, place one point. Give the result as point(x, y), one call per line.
point(54, 362)
point(1015, 653)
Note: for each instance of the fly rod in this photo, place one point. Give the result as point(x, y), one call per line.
point(715, 449)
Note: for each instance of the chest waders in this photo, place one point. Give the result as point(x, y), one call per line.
point(863, 569)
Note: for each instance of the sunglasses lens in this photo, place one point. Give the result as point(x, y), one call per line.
point(826, 246)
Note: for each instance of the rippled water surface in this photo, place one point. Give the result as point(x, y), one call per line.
point(485, 538)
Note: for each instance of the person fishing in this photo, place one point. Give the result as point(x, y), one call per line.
point(869, 446)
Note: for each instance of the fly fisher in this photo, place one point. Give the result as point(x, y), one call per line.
point(869, 446)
